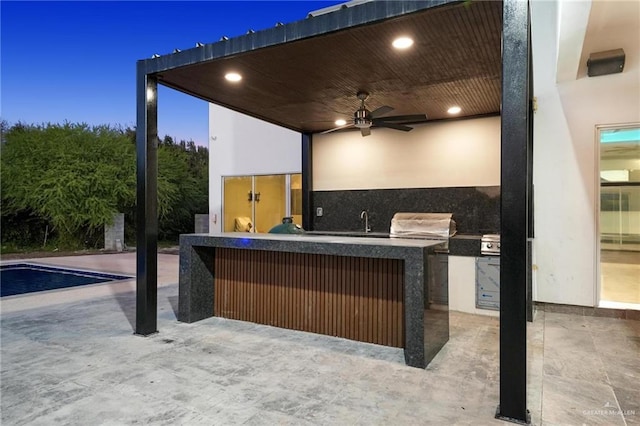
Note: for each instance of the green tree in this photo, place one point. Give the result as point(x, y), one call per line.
point(70, 179)
point(183, 185)
point(72, 176)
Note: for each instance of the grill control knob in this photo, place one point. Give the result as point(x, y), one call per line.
point(489, 245)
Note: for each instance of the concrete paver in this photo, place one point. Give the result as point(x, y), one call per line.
point(70, 357)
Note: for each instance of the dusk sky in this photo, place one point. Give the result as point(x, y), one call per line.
point(76, 61)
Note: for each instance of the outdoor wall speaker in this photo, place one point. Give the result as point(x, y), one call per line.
point(607, 62)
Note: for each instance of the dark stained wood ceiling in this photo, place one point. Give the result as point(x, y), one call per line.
point(306, 85)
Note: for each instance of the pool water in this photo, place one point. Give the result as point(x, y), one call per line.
point(21, 278)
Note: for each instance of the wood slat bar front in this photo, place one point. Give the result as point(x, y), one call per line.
point(352, 297)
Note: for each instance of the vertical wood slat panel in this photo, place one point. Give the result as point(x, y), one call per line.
point(355, 298)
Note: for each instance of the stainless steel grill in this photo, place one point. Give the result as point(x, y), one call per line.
point(432, 226)
point(490, 245)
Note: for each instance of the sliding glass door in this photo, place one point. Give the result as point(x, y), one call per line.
point(238, 204)
point(258, 203)
point(619, 215)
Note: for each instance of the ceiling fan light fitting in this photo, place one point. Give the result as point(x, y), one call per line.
point(362, 118)
point(362, 123)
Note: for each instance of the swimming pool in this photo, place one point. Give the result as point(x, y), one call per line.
point(21, 278)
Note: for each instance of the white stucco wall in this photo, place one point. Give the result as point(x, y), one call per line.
point(442, 154)
point(566, 161)
point(243, 145)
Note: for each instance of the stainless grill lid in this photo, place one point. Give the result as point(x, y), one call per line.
point(423, 225)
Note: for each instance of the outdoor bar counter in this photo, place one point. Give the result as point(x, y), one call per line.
point(377, 290)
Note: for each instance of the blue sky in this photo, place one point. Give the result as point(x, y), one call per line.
point(75, 61)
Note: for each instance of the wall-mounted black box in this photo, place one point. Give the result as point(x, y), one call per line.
point(606, 62)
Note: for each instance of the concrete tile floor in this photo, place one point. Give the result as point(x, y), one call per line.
point(619, 272)
point(69, 357)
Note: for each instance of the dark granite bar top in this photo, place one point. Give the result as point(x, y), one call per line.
point(426, 327)
point(459, 244)
point(341, 245)
point(350, 234)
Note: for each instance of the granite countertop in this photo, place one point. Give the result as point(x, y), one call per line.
point(350, 234)
point(459, 244)
point(467, 237)
point(348, 238)
point(384, 234)
point(465, 245)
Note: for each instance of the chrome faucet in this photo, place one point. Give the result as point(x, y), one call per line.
point(364, 215)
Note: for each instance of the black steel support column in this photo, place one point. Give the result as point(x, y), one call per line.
point(530, 217)
point(307, 183)
point(147, 202)
point(514, 212)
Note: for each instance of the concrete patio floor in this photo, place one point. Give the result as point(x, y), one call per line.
point(70, 357)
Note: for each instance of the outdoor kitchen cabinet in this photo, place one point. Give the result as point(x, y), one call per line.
point(488, 282)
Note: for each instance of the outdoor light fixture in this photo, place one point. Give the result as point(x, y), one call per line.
point(250, 31)
point(454, 110)
point(341, 122)
point(233, 77)
point(150, 94)
point(402, 43)
point(198, 44)
point(154, 56)
point(177, 50)
point(224, 38)
point(607, 62)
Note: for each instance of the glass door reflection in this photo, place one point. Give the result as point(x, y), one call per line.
point(258, 203)
point(270, 204)
point(238, 204)
point(619, 215)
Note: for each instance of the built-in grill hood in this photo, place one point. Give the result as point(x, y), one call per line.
point(439, 226)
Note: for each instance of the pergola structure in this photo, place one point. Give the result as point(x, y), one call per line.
point(303, 74)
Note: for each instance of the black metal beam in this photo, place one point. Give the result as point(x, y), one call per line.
point(514, 212)
point(147, 202)
point(307, 182)
point(342, 19)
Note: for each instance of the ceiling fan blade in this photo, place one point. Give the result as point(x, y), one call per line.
point(366, 131)
point(411, 117)
point(385, 109)
point(336, 128)
point(393, 126)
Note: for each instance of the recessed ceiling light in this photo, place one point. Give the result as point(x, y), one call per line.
point(402, 43)
point(454, 110)
point(341, 122)
point(233, 77)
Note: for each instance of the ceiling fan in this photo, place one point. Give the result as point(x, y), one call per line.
point(364, 119)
